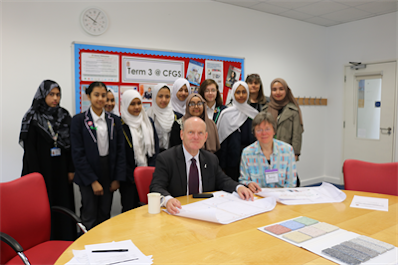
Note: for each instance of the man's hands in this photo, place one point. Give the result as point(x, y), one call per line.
point(173, 205)
point(245, 193)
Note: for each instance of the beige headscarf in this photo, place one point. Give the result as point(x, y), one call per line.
point(212, 143)
point(275, 106)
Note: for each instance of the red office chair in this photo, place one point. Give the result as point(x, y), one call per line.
point(371, 177)
point(143, 178)
point(26, 223)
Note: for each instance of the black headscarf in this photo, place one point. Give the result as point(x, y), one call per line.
point(39, 113)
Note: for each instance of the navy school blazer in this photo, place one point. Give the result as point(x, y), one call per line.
point(85, 154)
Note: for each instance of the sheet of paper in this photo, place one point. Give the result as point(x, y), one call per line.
point(370, 203)
point(226, 208)
point(326, 193)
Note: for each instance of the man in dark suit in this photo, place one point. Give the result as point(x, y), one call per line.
point(187, 169)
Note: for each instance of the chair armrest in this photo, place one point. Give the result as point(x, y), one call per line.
point(71, 214)
point(9, 240)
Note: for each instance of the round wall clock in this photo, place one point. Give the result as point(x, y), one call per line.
point(94, 21)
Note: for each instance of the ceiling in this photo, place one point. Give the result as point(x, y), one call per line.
point(320, 12)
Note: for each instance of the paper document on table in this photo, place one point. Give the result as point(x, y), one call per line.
point(370, 203)
point(132, 256)
point(326, 193)
point(226, 209)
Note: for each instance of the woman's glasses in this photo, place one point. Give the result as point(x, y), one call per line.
point(199, 104)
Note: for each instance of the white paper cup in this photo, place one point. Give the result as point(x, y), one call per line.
point(154, 201)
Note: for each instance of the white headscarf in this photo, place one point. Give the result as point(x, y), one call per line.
point(178, 105)
point(140, 128)
point(164, 118)
point(233, 117)
point(116, 108)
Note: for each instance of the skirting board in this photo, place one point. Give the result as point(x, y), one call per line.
point(320, 179)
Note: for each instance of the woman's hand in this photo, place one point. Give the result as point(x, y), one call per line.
point(254, 187)
point(71, 175)
point(114, 185)
point(97, 188)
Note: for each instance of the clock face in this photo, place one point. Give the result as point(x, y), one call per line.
point(94, 21)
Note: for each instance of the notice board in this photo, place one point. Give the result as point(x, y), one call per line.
point(122, 68)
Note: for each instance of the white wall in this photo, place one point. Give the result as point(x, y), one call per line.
point(368, 40)
point(36, 45)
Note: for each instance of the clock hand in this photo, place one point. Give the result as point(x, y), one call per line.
point(91, 18)
point(97, 16)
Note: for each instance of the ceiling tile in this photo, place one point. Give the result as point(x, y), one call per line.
point(290, 4)
point(379, 7)
point(353, 2)
point(346, 15)
point(265, 7)
point(240, 3)
point(321, 8)
point(322, 21)
point(295, 15)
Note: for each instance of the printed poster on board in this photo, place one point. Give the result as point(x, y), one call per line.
point(232, 76)
point(215, 70)
point(194, 72)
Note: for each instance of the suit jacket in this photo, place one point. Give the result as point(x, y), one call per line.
point(130, 160)
point(85, 154)
point(170, 176)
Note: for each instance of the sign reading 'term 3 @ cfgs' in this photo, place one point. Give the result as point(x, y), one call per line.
point(136, 69)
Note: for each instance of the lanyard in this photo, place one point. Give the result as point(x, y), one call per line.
point(53, 134)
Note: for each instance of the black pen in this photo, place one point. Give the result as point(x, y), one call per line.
point(110, 250)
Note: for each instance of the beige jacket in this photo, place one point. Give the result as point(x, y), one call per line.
point(289, 129)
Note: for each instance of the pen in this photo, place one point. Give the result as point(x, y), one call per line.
point(110, 250)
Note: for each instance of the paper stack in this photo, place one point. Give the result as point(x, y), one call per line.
point(120, 253)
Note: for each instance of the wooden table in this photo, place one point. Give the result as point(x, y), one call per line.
point(178, 240)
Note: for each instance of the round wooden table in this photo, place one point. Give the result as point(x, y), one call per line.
point(177, 240)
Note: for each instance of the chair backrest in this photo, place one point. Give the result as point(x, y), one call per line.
point(371, 177)
point(143, 178)
point(25, 213)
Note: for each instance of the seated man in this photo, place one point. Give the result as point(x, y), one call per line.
point(188, 169)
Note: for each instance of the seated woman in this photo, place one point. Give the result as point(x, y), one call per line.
point(141, 145)
point(196, 106)
point(162, 114)
point(180, 92)
point(267, 163)
point(209, 91)
point(235, 130)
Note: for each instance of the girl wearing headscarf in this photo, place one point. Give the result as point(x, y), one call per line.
point(44, 136)
point(141, 144)
point(181, 90)
point(162, 114)
point(286, 111)
point(196, 106)
point(111, 103)
point(235, 130)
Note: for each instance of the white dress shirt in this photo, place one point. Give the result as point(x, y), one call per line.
point(102, 132)
point(210, 111)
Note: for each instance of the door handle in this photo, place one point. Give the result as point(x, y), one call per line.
point(386, 129)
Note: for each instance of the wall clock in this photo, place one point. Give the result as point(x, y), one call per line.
point(94, 21)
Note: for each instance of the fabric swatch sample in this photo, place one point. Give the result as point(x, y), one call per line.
point(293, 225)
point(362, 249)
point(376, 242)
point(352, 252)
point(277, 229)
point(305, 220)
point(341, 256)
point(367, 244)
point(325, 227)
point(312, 231)
point(296, 237)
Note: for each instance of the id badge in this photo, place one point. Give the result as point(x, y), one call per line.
point(55, 151)
point(271, 176)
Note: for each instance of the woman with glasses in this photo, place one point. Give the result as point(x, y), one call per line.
point(234, 129)
point(196, 106)
point(287, 114)
point(267, 163)
point(162, 114)
point(209, 91)
point(257, 99)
